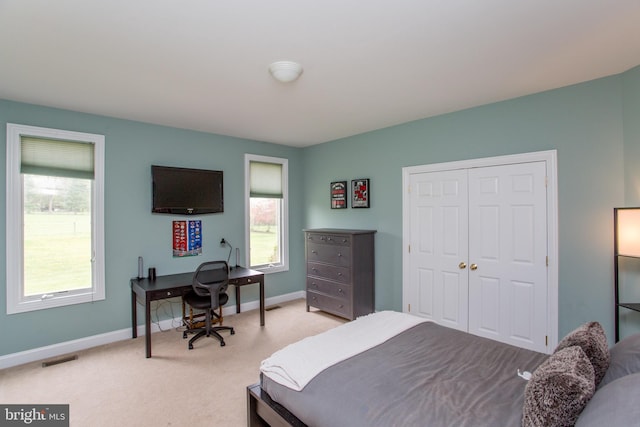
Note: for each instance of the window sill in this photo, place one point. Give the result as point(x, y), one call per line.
point(58, 301)
point(269, 270)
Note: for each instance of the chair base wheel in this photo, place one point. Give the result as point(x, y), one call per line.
point(190, 346)
point(184, 335)
point(222, 344)
point(233, 332)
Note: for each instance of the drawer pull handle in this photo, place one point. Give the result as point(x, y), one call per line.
point(339, 254)
point(341, 306)
point(314, 251)
point(314, 298)
point(341, 291)
point(248, 280)
point(339, 274)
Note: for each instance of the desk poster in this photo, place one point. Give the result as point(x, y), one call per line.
point(187, 238)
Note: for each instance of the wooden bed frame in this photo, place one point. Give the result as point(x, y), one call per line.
point(264, 412)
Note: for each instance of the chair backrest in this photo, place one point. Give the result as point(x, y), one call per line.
point(211, 278)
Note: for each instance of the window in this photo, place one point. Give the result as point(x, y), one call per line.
point(267, 213)
point(55, 218)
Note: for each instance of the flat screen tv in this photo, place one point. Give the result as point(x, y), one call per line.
point(183, 191)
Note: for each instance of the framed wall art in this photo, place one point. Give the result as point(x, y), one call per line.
point(339, 193)
point(360, 193)
point(187, 238)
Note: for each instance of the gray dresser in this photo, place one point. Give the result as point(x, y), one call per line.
point(340, 271)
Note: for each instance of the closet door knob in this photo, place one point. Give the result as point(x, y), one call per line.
point(474, 266)
point(462, 265)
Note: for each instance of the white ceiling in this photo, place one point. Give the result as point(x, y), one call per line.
point(368, 64)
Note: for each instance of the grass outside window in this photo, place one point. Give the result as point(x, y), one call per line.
point(264, 245)
point(57, 252)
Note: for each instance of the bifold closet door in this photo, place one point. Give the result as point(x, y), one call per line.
point(478, 251)
point(507, 254)
point(439, 235)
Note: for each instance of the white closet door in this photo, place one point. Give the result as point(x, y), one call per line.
point(438, 246)
point(508, 254)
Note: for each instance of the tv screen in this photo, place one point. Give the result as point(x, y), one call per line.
point(185, 191)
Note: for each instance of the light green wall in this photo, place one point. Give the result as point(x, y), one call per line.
point(631, 118)
point(131, 229)
point(630, 268)
point(583, 122)
point(591, 125)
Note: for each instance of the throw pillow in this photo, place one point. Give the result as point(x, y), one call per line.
point(559, 389)
point(592, 339)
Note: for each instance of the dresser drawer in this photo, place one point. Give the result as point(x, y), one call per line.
point(332, 289)
point(329, 239)
point(332, 305)
point(331, 272)
point(332, 254)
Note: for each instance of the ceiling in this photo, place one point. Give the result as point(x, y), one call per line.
point(368, 64)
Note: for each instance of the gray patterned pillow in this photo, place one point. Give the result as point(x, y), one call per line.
point(592, 339)
point(558, 389)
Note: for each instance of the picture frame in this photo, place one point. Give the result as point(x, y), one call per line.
point(360, 193)
point(338, 194)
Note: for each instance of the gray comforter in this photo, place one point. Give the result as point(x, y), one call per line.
point(428, 375)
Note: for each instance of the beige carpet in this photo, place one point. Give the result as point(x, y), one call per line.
point(115, 385)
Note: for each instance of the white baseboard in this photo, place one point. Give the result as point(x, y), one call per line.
point(47, 352)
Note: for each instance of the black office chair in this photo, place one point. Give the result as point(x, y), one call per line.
point(210, 283)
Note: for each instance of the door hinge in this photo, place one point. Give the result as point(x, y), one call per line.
point(409, 248)
point(547, 260)
point(546, 181)
point(546, 340)
point(409, 308)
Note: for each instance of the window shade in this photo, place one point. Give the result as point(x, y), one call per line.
point(265, 180)
point(51, 157)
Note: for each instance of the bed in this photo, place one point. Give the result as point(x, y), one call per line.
point(430, 375)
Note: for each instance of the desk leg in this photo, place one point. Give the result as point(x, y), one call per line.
point(134, 316)
point(237, 299)
point(147, 326)
point(262, 302)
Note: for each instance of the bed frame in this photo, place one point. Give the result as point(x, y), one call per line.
point(264, 412)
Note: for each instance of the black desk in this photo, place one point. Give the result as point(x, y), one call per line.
point(175, 285)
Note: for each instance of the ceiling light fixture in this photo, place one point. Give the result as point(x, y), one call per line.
point(285, 71)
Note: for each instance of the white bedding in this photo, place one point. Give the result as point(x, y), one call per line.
point(297, 364)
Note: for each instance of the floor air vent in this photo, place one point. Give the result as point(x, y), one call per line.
point(59, 361)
